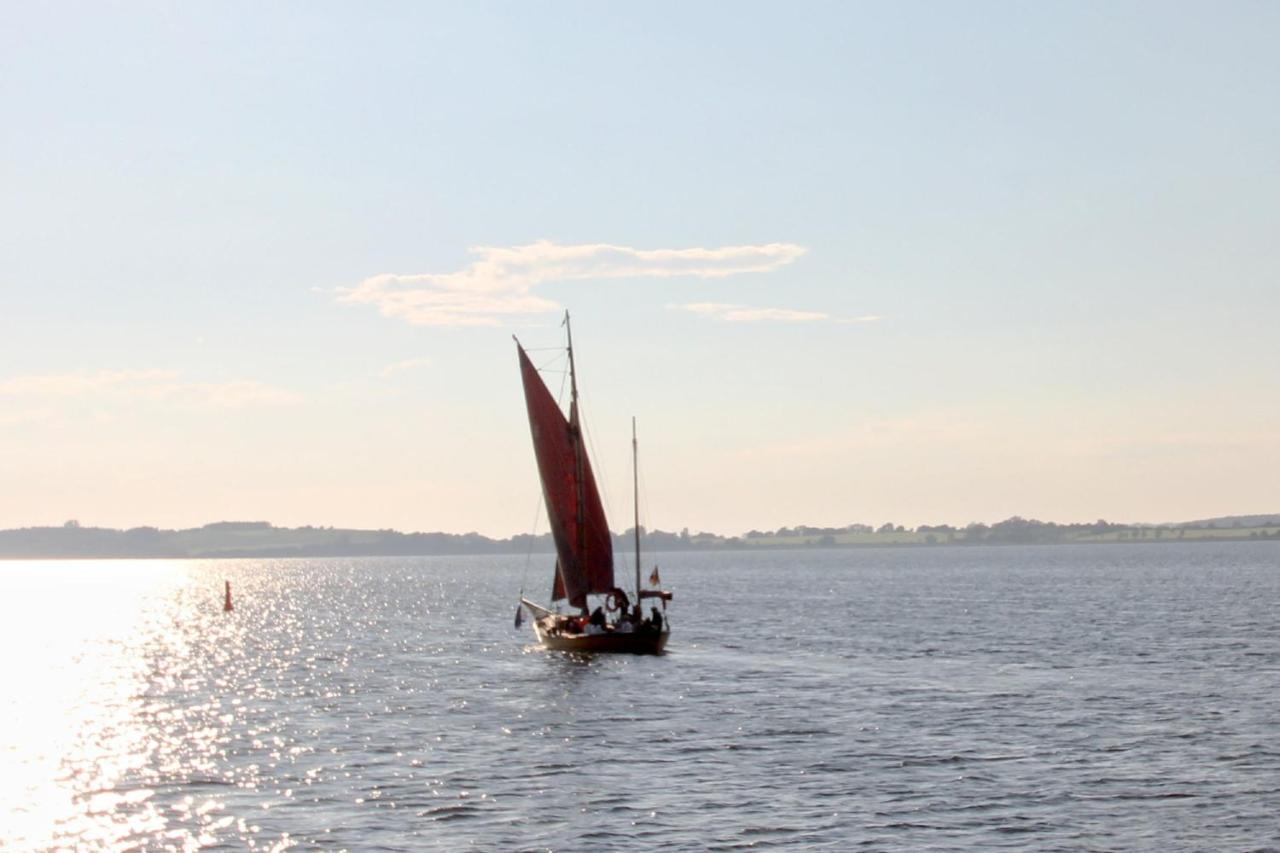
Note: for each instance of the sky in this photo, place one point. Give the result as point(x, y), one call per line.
point(844, 262)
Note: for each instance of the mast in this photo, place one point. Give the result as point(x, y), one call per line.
point(573, 376)
point(635, 497)
point(576, 428)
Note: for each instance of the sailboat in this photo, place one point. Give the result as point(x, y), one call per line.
point(584, 545)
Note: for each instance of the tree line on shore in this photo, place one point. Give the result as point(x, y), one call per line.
point(261, 539)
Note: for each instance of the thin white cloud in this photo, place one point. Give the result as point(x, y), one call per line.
point(33, 416)
point(500, 284)
point(235, 394)
point(85, 382)
point(407, 364)
point(729, 313)
point(165, 385)
point(933, 429)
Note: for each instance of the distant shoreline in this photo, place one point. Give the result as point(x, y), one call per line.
point(726, 549)
point(261, 540)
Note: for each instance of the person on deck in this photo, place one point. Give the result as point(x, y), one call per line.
point(621, 600)
point(597, 623)
point(656, 619)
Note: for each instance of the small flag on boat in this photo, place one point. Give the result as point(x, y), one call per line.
point(519, 615)
point(655, 579)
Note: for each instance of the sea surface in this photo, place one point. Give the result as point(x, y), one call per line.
point(970, 698)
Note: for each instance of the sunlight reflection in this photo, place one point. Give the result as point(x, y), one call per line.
point(91, 646)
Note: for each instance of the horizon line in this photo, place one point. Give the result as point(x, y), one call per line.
point(72, 524)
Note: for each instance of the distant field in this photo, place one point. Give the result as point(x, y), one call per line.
point(1144, 534)
point(212, 542)
point(1159, 535)
point(907, 537)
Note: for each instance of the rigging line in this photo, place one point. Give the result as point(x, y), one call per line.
point(550, 367)
point(643, 501)
point(649, 525)
point(533, 539)
point(549, 361)
point(547, 366)
point(563, 371)
point(602, 481)
point(644, 493)
point(564, 379)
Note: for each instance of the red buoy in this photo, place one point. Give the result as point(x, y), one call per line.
point(226, 605)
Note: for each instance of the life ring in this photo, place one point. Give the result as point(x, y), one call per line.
point(612, 602)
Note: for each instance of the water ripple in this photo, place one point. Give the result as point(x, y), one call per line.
point(951, 699)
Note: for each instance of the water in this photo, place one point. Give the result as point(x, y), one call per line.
point(1076, 697)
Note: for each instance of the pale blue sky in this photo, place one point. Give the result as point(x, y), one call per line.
point(1064, 217)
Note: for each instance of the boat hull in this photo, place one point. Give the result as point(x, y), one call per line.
point(635, 643)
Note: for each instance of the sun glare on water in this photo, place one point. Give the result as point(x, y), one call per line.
point(90, 647)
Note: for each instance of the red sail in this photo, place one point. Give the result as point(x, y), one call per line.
point(583, 542)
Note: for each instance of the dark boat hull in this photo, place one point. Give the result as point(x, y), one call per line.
point(635, 643)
